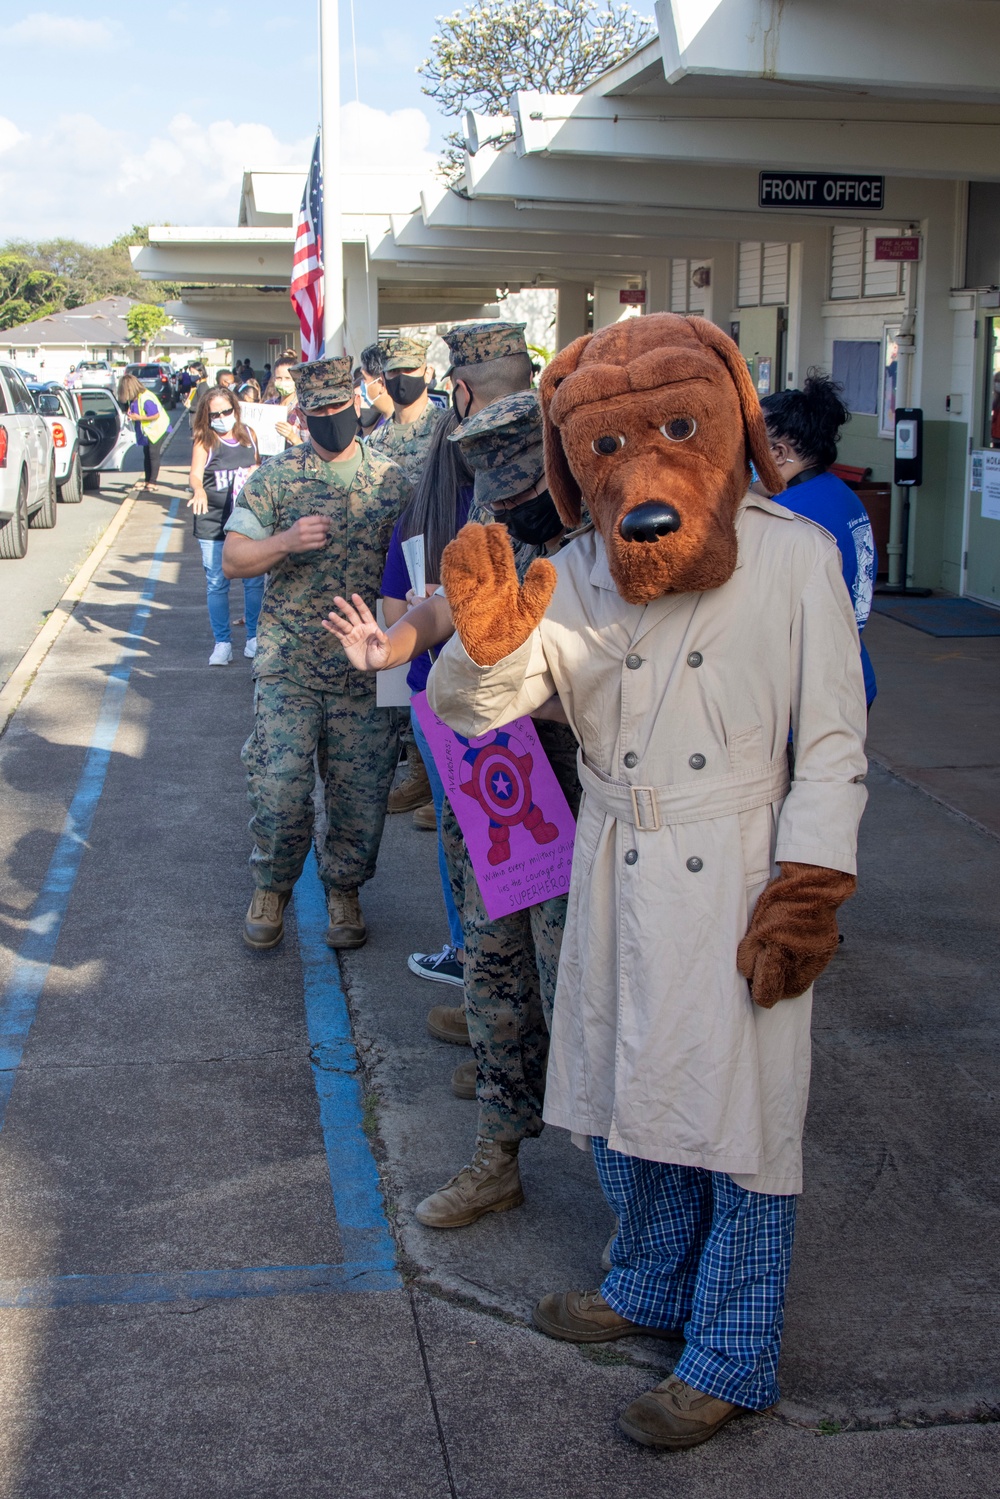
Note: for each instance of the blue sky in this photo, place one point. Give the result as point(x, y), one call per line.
point(105, 120)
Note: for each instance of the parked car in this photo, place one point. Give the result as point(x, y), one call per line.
point(27, 466)
point(94, 372)
point(57, 406)
point(159, 378)
point(105, 435)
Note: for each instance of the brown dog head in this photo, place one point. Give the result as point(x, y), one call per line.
point(652, 424)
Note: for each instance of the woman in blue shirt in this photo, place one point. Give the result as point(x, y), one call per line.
point(804, 427)
point(437, 512)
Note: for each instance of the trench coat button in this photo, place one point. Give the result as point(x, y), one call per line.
point(695, 658)
point(631, 857)
point(697, 762)
point(633, 662)
point(631, 760)
point(695, 864)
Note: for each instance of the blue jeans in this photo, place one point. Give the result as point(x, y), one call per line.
point(437, 795)
point(218, 594)
point(696, 1252)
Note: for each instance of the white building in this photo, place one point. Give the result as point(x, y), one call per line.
point(53, 345)
point(745, 164)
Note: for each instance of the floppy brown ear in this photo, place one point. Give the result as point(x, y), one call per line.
point(758, 447)
point(563, 488)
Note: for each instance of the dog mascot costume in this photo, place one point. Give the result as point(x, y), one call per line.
point(685, 632)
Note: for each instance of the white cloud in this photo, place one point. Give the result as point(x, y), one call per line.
point(9, 133)
point(82, 179)
point(43, 30)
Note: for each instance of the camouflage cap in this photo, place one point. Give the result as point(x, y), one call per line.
point(323, 382)
point(474, 343)
point(503, 444)
point(406, 353)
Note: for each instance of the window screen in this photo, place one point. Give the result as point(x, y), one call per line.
point(856, 368)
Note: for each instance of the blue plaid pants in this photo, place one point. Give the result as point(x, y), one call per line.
point(696, 1252)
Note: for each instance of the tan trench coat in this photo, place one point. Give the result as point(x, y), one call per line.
point(682, 709)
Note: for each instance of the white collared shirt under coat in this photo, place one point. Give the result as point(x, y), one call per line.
point(656, 1044)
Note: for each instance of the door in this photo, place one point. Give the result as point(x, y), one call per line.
point(99, 427)
point(36, 435)
point(982, 576)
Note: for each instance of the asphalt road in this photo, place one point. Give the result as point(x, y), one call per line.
point(32, 586)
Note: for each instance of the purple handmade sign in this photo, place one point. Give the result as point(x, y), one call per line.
point(515, 820)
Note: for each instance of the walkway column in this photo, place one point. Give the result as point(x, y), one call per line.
point(571, 312)
point(361, 282)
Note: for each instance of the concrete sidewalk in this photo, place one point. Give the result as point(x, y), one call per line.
point(189, 1205)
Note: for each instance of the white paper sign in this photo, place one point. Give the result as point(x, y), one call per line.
point(264, 420)
point(391, 690)
point(977, 471)
point(413, 556)
point(991, 485)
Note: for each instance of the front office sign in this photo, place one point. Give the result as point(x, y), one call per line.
point(821, 190)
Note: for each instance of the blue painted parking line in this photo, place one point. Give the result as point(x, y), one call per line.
point(369, 1253)
point(53, 1291)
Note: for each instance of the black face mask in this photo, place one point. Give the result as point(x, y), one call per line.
point(405, 389)
point(457, 409)
point(334, 433)
point(535, 522)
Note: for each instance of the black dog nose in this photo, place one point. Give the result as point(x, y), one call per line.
point(650, 521)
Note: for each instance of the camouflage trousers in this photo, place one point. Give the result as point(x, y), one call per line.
point(353, 744)
point(511, 966)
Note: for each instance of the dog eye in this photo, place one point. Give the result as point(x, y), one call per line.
point(607, 445)
point(680, 429)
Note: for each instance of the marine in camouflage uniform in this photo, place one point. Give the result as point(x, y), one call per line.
point(309, 704)
point(406, 443)
point(510, 963)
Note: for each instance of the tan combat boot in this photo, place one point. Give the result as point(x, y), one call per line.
point(415, 789)
point(448, 1023)
point(264, 925)
point(463, 1079)
point(675, 1415)
point(490, 1183)
point(585, 1317)
point(425, 818)
point(347, 924)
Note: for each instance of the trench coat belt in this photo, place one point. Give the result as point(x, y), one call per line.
point(648, 808)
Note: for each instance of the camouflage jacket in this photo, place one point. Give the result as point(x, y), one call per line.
point(406, 443)
point(291, 642)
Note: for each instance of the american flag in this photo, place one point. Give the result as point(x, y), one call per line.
point(307, 261)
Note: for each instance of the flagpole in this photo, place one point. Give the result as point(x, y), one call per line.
point(333, 248)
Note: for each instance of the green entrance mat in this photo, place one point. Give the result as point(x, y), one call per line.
point(940, 617)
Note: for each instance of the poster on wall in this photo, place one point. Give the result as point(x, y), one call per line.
point(990, 509)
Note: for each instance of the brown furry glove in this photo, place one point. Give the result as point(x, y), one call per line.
point(493, 613)
point(793, 931)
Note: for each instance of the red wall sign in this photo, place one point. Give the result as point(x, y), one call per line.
point(638, 298)
point(899, 247)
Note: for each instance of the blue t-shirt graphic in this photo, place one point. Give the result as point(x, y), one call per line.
point(829, 502)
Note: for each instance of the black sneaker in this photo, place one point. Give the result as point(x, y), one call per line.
point(444, 967)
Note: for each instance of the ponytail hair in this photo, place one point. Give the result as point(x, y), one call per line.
point(809, 420)
point(431, 512)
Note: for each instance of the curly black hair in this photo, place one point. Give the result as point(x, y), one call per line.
point(809, 419)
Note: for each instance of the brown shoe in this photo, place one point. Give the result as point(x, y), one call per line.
point(674, 1415)
point(264, 925)
point(415, 789)
point(448, 1023)
point(463, 1079)
point(585, 1317)
point(347, 925)
point(425, 818)
point(490, 1183)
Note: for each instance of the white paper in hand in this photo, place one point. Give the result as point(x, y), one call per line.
point(413, 556)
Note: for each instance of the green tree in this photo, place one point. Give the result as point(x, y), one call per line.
point(26, 292)
point(89, 273)
point(144, 322)
point(492, 49)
